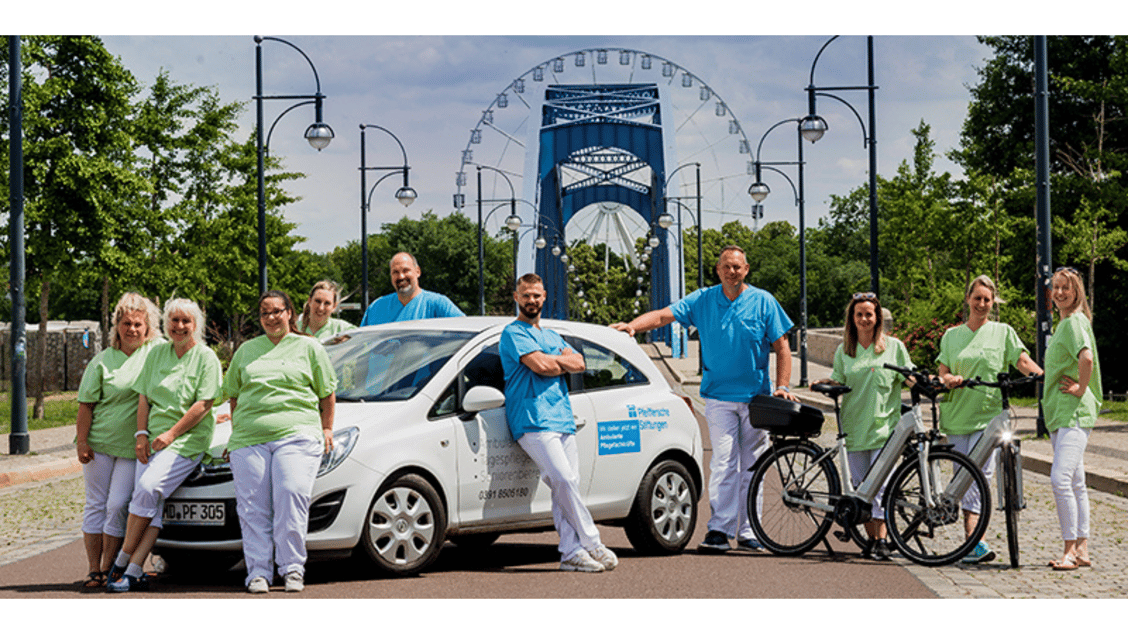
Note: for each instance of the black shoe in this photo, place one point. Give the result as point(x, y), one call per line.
point(115, 573)
point(868, 547)
point(715, 542)
point(880, 551)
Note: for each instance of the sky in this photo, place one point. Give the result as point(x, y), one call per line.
point(430, 89)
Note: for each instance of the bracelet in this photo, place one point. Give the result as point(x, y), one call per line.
point(784, 388)
point(143, 431)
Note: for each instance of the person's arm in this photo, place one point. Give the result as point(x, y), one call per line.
point(327, 406)
point(83, 422)
point(141, 438)
point(646, 321)
point(1026, 365)
point(546, 364)
point(187, 422)
point(1084, 373)
point(947, 378)
point(782, 350)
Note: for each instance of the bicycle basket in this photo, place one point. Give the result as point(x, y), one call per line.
point(782, 417)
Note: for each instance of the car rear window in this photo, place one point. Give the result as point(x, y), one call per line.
point(390, 365)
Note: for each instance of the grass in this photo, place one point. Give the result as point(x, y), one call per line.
point(1110, 410)
point(60, 410)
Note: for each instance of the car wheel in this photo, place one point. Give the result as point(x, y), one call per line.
point(405, 526)
point(664, 512)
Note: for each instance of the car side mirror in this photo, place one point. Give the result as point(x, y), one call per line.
point(482, 397)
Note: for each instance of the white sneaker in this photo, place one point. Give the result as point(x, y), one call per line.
point(294, 581)
point(605, 557)
point(258, 585)
point(581, 562)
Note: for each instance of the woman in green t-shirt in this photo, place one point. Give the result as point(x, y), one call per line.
point(872, 407)
point(1071, 399)
point(317, 318)
point(107, 418)
point(981, 348)
point(176, 388)
point(281, 386)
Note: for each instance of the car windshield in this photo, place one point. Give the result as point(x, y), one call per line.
point(390, 365)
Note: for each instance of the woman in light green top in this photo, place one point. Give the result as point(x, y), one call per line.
point(1071, 399)
point(282, 391)
point(177, 386)
point(871, 409)
point(107, 418)
point(980, 348)
point(317, 318)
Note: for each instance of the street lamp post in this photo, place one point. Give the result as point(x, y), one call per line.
point(406, 195)
point(665, 221)
point(513, 222)
point(813, 127)
point(759, 191)
point(318, 134)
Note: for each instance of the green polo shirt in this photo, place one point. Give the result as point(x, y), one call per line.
point(108, 382)
point(1073, 334)
point(982, 353)
point(332, 327)
point(172, 385)
point(279, 388)
point(871, 409)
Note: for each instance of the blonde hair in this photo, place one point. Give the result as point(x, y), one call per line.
point(850, 334)
point(323, 285)
point(987, 283)
point(130, 303)
point(1080, 301)
point(186, 307)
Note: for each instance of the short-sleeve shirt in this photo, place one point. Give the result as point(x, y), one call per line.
point(331, 328)
point(982, 353)
point(533, 403)
point(736, 338)
point(279, 388)
point(1073, 334)
point(108, 382)
point(871, 409)
point(425, 305)
point(172, 385)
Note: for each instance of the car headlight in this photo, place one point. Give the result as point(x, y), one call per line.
point(343, 442)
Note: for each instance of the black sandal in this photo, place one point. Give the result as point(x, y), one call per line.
point(94, 581)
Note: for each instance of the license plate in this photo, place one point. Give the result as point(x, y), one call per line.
point(194, 513)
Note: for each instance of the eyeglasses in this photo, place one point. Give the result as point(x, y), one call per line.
point(866, 295)
point(1067, 269)
point(272, 313)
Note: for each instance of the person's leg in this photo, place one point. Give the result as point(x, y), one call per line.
point(752, 443)
point(293, 470)
point(251, 467)
point(117, 508)
point(162, 475)
point(97, 475)
point(557, 458)
point(1067, 479)
point(724, 467)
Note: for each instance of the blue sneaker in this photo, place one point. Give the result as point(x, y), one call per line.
point(750, 545)
point(981, 554)
point(715, 542)
point(115, 572)
point(129, 583)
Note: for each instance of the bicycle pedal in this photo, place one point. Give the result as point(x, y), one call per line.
point(842, 536)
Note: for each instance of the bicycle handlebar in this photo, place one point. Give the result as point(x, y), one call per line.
point(1004, 381)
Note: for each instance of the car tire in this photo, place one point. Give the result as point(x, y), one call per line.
point(405, 526)
point(664, 512)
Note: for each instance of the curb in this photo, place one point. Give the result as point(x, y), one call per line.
point(42, 471)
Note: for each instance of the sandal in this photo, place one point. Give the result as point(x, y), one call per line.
point(94, 581)
point(1067, 563)
point(1082, 562)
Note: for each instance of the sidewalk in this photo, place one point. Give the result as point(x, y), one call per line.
point(1106, 456)
point(52, 455)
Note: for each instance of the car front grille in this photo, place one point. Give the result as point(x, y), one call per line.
point(207, 474)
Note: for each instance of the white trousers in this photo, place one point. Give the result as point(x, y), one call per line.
point(1067, 478)
point(860, 462)
point(556, 456)
point(109, 485)
point(156, 480)
point(736, 446)
point(273, 486)
point(964, 443)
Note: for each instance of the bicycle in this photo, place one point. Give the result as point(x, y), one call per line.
point(796, 491)
point(999, 434)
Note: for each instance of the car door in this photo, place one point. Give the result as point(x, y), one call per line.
point(497, 481)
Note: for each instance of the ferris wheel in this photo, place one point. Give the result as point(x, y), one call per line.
point(705, 130)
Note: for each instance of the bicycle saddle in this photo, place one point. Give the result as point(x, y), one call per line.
point(831, 390)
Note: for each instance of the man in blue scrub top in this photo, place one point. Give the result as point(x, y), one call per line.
point(540, 418)
point(738, 325)
point(409, 301)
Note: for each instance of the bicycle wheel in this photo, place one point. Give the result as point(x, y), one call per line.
point(1011, 503)
point(934, 535)
point(791, 527)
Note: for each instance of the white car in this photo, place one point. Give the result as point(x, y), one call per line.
point(423, 452)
